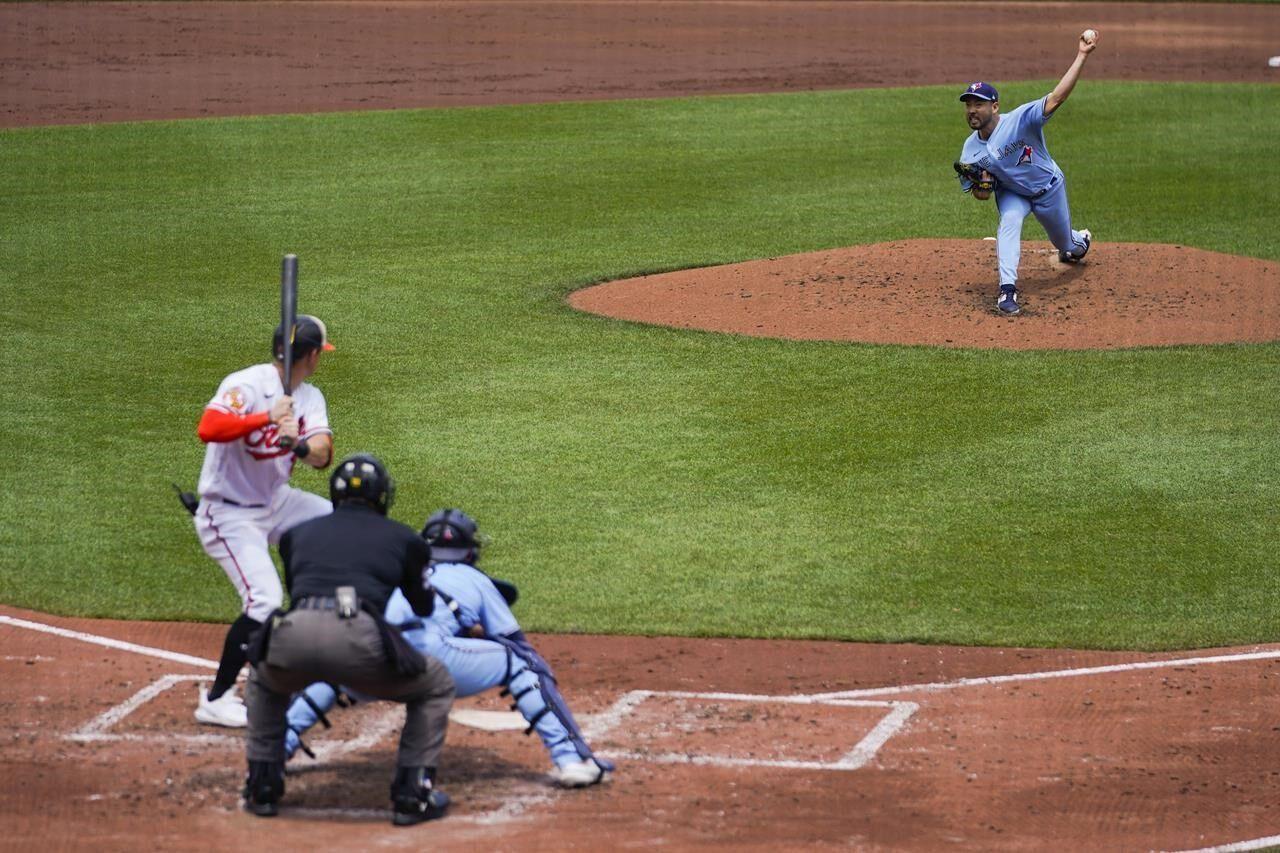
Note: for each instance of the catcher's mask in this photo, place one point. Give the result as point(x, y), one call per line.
point(452, 535)
point(362, 478)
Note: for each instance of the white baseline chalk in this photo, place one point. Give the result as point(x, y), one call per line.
point(935, 686)
point(1255, 844)
point(176, 657)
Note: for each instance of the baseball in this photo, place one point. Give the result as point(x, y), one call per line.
point(1090, 36)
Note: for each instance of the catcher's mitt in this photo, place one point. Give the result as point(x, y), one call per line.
point(973, 173)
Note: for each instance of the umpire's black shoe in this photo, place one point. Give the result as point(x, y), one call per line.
point(263, 788)
point(267, 809)
point(428, 805)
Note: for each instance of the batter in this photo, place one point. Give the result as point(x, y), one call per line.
point(246, 502)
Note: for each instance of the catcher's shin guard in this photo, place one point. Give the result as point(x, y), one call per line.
point(533, 688)
point(307, 709)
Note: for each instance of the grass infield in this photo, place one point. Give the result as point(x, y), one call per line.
point(637, 479)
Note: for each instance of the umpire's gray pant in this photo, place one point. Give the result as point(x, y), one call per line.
point(315, 645)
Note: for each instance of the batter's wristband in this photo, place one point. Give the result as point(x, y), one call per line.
point(301, 449)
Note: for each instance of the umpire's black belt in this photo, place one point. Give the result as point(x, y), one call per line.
point(315, 602)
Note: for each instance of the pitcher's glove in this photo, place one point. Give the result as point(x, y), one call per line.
point(973, 173)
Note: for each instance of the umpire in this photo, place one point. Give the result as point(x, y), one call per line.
point(340, 570)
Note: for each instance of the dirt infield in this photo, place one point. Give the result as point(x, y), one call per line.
point(942, 293)
point(85, 62)
point(730, 743)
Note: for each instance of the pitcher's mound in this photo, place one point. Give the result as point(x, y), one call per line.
point(943, 293)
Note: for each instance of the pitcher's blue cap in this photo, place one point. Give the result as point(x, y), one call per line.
point(984, 91)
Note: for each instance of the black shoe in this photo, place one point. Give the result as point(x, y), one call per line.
point(268, 809)
point(263, 788)
point(428, 805)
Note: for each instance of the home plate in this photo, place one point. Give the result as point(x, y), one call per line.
point(488, 721)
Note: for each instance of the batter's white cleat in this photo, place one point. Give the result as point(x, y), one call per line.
point(227, 710)
point(580, 774)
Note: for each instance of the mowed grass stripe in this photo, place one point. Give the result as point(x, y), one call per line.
point(638, 479)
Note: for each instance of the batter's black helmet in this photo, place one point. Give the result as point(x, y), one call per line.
point(451, 533)
point(362, 478)
point(309, 333)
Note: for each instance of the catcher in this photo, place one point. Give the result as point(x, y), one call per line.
point(1006, 155)
point(472, 631)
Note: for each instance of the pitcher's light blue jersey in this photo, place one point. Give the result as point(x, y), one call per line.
point(1015, 153)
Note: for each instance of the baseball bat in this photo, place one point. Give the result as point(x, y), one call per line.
point(288, 320)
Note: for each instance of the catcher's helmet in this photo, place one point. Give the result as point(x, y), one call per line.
point(309, 333)
point(362, 478)
point(451, 533)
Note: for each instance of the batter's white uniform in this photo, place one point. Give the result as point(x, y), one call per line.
point(246, 502)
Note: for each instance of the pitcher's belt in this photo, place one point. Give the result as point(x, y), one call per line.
point(1056, 180)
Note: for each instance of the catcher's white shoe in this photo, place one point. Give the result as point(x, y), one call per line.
point(227, 710)
point(580, 774)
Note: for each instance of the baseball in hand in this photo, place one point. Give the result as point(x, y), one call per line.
point(1089, 36)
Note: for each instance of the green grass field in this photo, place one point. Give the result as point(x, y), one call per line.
point(637, 479)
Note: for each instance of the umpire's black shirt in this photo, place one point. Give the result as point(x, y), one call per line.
point(356, 546)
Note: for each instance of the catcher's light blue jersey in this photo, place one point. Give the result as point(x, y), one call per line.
point(1015, 153)
point(478, 603)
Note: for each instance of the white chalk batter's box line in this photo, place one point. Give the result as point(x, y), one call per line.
point(863, 751)
point(99, 729)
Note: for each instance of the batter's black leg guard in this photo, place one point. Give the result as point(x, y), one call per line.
point(233, 654)
point(263, 787)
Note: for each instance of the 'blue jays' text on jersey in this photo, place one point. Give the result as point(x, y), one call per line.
point(1015, 153)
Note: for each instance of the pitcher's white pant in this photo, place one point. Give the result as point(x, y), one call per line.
point(238, 537)
point(1050, 209)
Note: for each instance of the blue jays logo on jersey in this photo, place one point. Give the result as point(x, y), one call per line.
point(1026, 155)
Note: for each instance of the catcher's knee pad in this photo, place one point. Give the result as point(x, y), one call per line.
point(309, 706)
